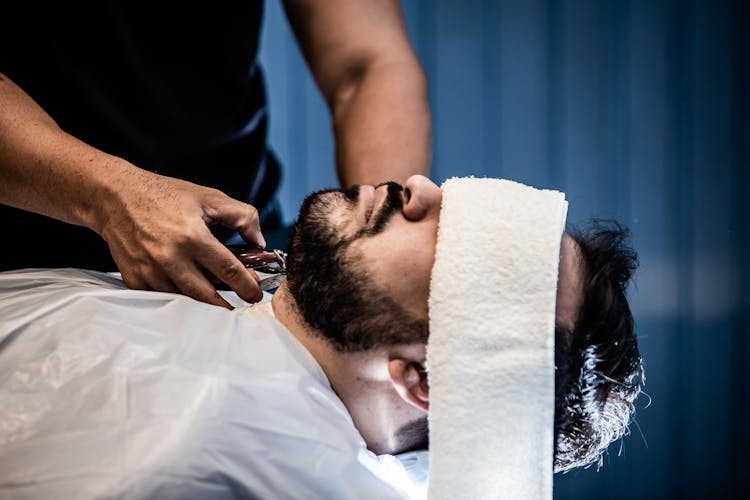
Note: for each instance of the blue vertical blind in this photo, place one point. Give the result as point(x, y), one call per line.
point(638, 111)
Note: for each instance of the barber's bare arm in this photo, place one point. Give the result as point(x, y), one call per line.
point(366, 69)
point(156, 227)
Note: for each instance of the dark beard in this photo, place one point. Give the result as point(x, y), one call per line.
point(332, 294)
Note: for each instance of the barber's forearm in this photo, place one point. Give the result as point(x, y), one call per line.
point(382, 126)
point(45, 170)
point(156, 227)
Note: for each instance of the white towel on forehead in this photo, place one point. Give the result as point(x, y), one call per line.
point(491, 350)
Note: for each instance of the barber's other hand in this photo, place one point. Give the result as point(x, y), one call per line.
point(157, 230)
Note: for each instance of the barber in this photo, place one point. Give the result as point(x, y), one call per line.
point(146, 125)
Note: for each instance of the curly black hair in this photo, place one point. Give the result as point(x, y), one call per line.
point(599, 371)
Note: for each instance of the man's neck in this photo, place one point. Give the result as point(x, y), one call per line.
point(285, 311)
point(338, 366)
point(357, 378)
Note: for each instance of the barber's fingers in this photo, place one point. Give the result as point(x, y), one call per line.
point(183, 278)
point(237, 215)
point(161, 283)
point(191, 282)
point(147, 278)
point(133, 280)
point(217, 259)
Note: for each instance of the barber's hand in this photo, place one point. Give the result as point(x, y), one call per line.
point(157, 230)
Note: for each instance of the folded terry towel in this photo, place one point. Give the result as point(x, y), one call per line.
point(490, 354)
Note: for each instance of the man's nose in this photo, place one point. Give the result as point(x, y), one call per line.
point(421, 198)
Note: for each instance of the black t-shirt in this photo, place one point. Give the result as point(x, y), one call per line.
point(172, 87)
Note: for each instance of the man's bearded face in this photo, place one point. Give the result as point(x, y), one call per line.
point(330, 283)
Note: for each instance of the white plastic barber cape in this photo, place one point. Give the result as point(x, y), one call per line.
point(114, 393)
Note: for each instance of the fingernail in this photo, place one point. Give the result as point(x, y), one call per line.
point(261, 241)
point(223, 303)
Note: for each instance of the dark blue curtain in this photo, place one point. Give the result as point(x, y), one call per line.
point(639, 112)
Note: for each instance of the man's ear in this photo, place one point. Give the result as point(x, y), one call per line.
point(409, 378)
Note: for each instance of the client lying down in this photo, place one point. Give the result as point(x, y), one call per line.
point(109, 392)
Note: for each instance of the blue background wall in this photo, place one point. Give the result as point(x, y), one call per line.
point(638, 111)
